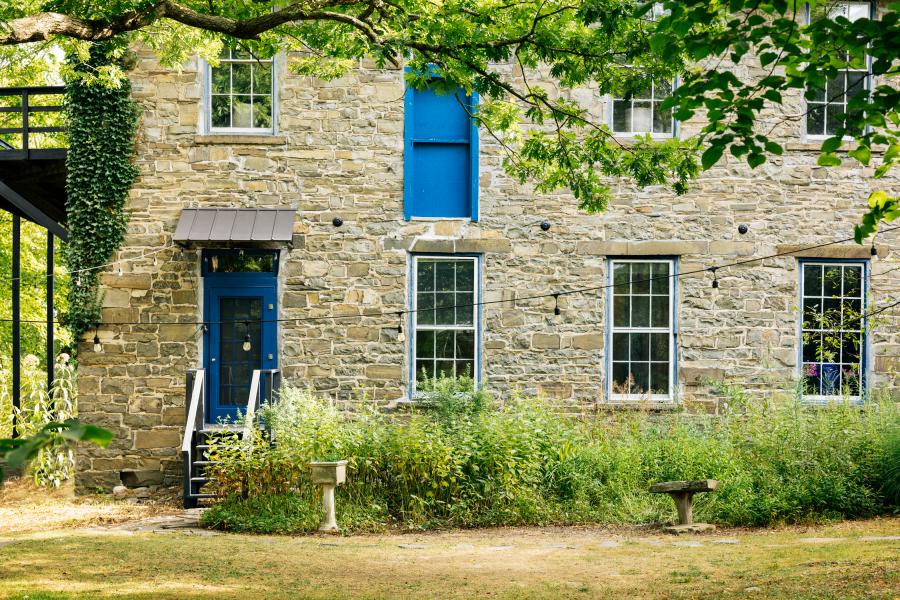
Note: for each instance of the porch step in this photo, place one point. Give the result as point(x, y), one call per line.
point(199, 479)
point(204, 463)
point(199, 496)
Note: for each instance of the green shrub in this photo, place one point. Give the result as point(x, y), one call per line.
point(465, 461)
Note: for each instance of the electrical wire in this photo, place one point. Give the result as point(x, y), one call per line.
point(554, 294)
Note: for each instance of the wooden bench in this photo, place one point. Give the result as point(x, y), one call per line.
point(682, 492)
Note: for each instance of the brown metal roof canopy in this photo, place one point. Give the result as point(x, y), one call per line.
point(245, 225)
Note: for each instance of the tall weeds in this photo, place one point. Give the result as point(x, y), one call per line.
point(467, 462)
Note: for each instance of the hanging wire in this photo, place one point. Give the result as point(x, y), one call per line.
point(484, 302)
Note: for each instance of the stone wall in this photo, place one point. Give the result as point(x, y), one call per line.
point(339, 152)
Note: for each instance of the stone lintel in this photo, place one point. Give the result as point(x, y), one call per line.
point(646, 248)
point(856, 251)
point(450, 246)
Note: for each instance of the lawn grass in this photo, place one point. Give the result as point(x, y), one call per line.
point(831, 561)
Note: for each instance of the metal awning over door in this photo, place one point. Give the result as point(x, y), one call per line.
point(246, 225)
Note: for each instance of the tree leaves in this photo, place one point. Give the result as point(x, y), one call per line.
point(18, 451)
point(711, 156)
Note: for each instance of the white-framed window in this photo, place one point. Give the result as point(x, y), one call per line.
point(642, 333)
point(445, 296)
point(825, 104)
point(641, 113)
point(240, 94)
point(832, 329)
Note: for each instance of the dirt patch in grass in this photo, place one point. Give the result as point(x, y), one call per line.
point(64, 547)
point(25, 507)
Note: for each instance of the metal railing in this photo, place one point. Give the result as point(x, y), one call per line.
point(262, 387)
point(29, 138)
point(194, 405)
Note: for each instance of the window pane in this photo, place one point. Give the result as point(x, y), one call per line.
point(811, 380)
point(812, 280)
point(856, 83)
point(620, 346)
point(262, 78)
point(660, 283)
point(621, 116)
point(640, 311)
point(240, 78)
point(853, 282)
point(641, 116)
point(832, 282)
point(446, 275)
point(835, 88)
point(465, 344)
point(816, 94)
point(221, 79)
point(850, 348)
point(621, 312)
point(831, 379)
point(465, 275)
point(662, 119)
point(831, 313)
point(424, 344)
point(237, 262)
point(621, 278)
point(465, 368)
point(444, 344)
point(262, 112)
point(464, 309)
point(662, 89)
point(659, 347)
point(640, 373)
point(851, 314)
point(812, 312)
point(241, 111)
point(424, 370)
point(221, 111)
point(812, 342)
point(424, 314)
point(834, 118)
point(424, 275)
point(815, 119)
point(659, 378)
point(445, 368)
point(445, 315)
point(640, 278)
point(640, 347)
point(660, 311)
point(620, 381)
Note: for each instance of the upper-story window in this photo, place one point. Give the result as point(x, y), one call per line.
point(240, 94)
point(440, 156)
point(832, 329)
point(825, 104)
point(641, 113)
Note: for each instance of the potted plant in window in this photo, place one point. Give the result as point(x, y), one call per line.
point(328, 473)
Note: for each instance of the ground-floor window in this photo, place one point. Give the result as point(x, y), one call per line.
point(445, 316)
point(642, 345)
point(832, 328)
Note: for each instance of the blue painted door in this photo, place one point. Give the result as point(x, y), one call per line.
point(242, 336)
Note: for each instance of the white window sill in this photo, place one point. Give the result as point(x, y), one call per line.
point(633, 136)
point(818, 400)
point(235, 138)
point(463, 219)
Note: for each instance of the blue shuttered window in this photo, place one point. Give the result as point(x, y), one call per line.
point(440, 156)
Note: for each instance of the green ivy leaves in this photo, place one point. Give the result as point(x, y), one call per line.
point(102, 122)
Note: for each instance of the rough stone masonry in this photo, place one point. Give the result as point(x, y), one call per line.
point(338, 151)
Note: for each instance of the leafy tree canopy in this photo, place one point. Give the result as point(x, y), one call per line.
point(497, 48)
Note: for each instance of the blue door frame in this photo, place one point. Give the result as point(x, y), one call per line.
point(226, 365)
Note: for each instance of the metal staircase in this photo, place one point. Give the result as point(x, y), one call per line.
point(197, 432)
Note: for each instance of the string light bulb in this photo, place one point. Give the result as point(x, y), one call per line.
point(873, 250)
point(98, 347)
point(556, 309)
point(400, 335)
point(715, 282)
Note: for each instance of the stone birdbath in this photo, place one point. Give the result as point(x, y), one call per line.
point(328, 474)
point(682, 492)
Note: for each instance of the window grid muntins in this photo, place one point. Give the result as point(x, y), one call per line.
point(642, 329)
point(825, 104)
point(241, 93)
point(641, 113)
point(445, 317)
point(832, 328)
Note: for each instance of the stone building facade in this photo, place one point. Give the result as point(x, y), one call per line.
point(337, 151)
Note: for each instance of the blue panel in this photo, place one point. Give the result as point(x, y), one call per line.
point(440, 117)
point(440, 180)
